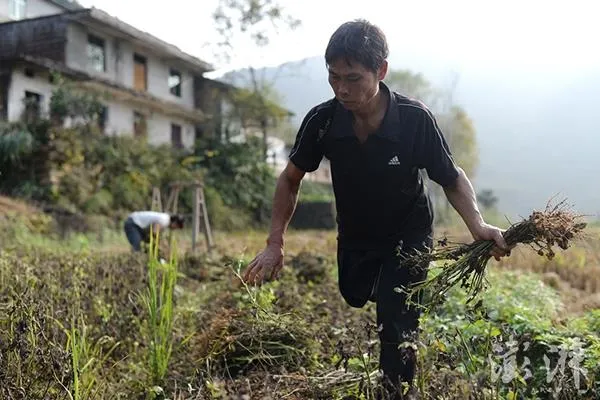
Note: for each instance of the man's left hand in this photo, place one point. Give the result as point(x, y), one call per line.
point(489, 232)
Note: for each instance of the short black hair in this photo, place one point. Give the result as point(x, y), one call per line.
point(177, 219)
point(359, 41)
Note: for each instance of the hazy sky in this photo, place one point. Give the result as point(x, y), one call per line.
point(556, 34)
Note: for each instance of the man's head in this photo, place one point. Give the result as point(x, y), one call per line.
point(176, 221)
point(356, 58)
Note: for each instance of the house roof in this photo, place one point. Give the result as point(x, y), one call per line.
point(67, 4)
point(117, 90)
point(101, 20)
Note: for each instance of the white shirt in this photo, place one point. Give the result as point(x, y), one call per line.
point(144, 219)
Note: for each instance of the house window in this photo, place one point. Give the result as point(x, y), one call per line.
point(17, 8)
point(199, 133)
point(4, 80)
point(140, 73)
point(33, 106)
point(139, 125)
point(175, 82)
point(176, 136)
point(103, 118)
point(96, 54)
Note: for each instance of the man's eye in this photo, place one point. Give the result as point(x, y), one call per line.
point(353, 78)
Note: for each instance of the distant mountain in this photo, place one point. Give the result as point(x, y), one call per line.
point(537, 131)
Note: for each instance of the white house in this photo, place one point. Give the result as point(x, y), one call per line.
point(150, 88)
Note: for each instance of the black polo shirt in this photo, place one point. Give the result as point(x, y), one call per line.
point(379, 191)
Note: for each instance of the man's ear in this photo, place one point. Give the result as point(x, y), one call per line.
point(382, 72)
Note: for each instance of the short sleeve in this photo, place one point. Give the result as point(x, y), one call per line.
point(306, 154)
point(433, 153)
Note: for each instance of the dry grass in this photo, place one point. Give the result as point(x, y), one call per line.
point(9, 205)
point(250, 242)
point(289, 339)
point(575, 273)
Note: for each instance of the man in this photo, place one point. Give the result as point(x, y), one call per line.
point(377, 142)
point(139, 224)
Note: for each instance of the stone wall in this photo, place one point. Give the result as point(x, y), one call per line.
point(314, 215)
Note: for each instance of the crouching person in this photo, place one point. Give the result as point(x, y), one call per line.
point(139, 224)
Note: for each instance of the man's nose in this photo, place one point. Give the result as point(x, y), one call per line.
point(343, 89)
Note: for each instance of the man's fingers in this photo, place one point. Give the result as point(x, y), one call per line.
point(252, 270)
point(261, 269)
point(497, 253)
point(500, 242)
point(261, 275)
point(248, 270)
point(275, 272)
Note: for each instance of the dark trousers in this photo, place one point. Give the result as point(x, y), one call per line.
point(135, 234)
point(374, 275)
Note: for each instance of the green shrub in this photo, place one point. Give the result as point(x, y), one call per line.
point(100, 202)
point(223, 217)
point(239, 174)
point(85, 171)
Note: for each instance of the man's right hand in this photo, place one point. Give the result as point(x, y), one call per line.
point(266, 265)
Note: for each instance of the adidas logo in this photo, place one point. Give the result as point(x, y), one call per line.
point(394, 161)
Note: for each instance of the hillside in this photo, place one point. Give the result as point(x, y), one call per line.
point(536, 129)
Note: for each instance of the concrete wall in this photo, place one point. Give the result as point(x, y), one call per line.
point(121, 120)
point(159, 130)
point(39, 8)
point(120, 115)
point(76, 52)
point(120, 69)
point(16, 93)
point(119, 65)
point(4, 11)
point(33, 9)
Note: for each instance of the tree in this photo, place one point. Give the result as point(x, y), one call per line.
point(256, 19)
point(487, 199)
point(250, 18)
point(460, 133)
point(453, 120)
point(413, 85)
point(255, 108)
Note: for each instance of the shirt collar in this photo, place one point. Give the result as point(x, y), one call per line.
point(342, 121)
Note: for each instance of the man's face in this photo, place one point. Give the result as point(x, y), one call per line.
point(353, 84)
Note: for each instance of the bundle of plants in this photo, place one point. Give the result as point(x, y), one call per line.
point(465, 264)
point(270, 343)
point(247, 333)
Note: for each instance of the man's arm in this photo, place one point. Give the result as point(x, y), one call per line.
point(305, 156)
point(462, 197)
point(284, 203)
point(268, 263)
